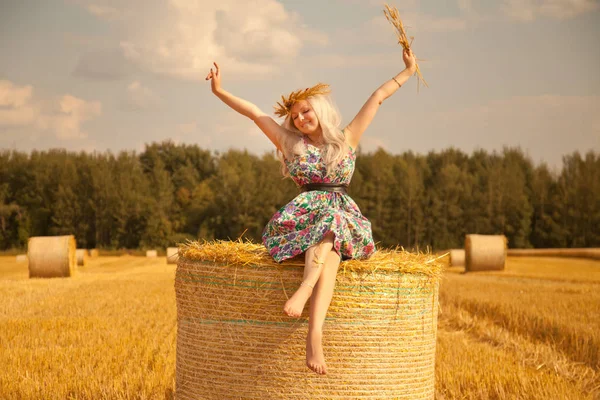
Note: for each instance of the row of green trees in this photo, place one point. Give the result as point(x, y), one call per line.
point(172, 192)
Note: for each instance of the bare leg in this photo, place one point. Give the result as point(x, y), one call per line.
point(319, 304)
point(313, 266)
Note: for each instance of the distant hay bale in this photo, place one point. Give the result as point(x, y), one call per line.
point(233, 340)
point(591, 253)
point(81, 255)
point(94, 253)
point(485, 252)
point(151, 253)
point(172, 255)
point(21, 258)
point(457, 258)
point(51, 256)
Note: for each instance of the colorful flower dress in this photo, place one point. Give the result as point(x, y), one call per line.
point(305, 220)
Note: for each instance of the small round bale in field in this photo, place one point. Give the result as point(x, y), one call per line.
point(151, 253)
point(234, 341)
point(93, 253)
point(172, 255)
point(81, 255)
point(485, 252)
point(22, 258)
point(51, 256)
point(457, 258)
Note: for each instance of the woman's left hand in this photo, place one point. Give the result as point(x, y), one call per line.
point(409, 60)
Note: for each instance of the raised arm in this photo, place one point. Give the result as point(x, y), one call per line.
point(363, 119)
point(266, 124)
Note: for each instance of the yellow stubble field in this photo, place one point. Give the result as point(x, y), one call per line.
point(529, 332)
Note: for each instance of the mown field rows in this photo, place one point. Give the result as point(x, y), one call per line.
point(530, 332)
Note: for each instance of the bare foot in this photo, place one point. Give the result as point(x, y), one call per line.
point(315, 360)
point(294, 306)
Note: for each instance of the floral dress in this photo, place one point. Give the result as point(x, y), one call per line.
point(305, 220)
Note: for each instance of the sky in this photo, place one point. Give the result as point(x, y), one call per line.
point(98, 75)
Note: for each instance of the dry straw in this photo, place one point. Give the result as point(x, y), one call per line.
point(81, 255)
point(22, 258)
point(392, 15)
point(234, 341)
point(172, 255)
point(151, 253)
point(591, 253)
point(457, 257)
point(94, 253)
point(51, 256)
point(485, 252)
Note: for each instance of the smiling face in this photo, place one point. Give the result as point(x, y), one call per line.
point(304, 118)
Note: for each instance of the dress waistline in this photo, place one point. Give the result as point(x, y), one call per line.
point(327, 187)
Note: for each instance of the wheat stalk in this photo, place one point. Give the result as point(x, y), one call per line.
point(392, 15)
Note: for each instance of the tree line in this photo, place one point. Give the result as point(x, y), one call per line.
point(170, 193)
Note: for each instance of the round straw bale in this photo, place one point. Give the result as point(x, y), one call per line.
point(21, 258)
point(51, 256)
point(457, 257)
point(81, 255)
point(485, 252)
point(151, 253)
point(233, 340)
point(172, 255)
point(94, 253)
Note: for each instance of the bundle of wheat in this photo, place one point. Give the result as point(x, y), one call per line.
point(51, 256)
point(94, 253)
point(172, 255)
point(235, 342)
point(392, 15)
point(457, 258)
point(485, 252)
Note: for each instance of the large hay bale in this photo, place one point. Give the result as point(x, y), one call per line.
point(457, 258)
point(172, 255)
point(21, 258)
point(485, 252)
point(591, 253)
point(81, 256)
point(51, 256)
point(94, 253)
point(233, 340)
point(151, 253)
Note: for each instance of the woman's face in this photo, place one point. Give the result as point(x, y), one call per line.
point(304, 118)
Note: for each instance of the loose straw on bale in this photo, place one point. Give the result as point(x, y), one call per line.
point(51, 256)
point(485, 252)
point(457, 258)
point(591, 253)
point(234, 341)
point(392, 15)
point(151, 253)
point(81, 255)
point(172, 255)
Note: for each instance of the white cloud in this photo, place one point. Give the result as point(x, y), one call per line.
point(140, 97)
point(528, 10)
point(545, 126)
point(182, 38)
point(62, 117)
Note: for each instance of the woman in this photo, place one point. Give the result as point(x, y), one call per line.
point(322, 221)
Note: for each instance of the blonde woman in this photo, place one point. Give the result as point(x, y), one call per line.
point(322, 222)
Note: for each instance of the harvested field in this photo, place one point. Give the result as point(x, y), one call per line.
point(531, 331)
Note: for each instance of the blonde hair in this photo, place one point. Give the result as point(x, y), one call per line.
point(335, 148)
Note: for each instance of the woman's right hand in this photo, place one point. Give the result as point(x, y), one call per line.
point(215, 78)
